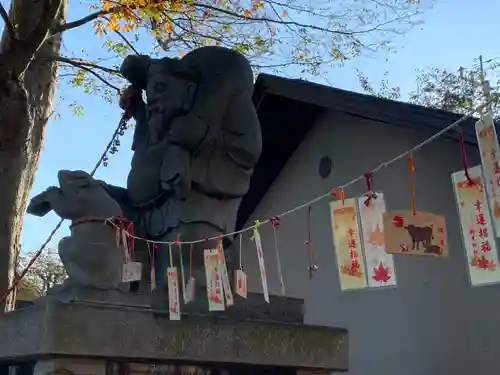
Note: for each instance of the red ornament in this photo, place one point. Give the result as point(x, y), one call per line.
point(381, 273)
point(483, 263)
point(215, 298)
point(275, 221)
point(398, 221)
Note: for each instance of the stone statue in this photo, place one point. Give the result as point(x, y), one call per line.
point(90, 255)
point(196, 141)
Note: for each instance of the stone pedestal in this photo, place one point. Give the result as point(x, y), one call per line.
point(82, 336)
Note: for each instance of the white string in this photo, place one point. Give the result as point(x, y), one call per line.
point(328, 194)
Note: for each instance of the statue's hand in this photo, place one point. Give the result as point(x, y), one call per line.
point(131, 100)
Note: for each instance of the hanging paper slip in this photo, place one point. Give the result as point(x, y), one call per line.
point(379, 265)
point(241, 283)
point(183, 278)
point(190, 290)
point(131, 271)
point(173, 294)
point(347, 243)
point(125, 246)
point(191, 284)
point(226, 285)
point(240, 278)
point(490, 157)
point(214, 286)
point(477, 234)
point(260, 256)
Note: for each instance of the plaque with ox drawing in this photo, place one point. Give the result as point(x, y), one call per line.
point(421, 233)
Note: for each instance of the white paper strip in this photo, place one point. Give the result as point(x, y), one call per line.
point(379, 265)
point(490, 157)
point(190, 290)
point(214, 285)
point(183, 277)
point(173, 294)
point(477, 232)
point(125, 246)
point(262, 267)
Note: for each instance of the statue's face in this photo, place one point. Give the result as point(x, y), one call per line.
point(169, 94)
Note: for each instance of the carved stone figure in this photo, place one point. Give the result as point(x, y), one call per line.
point(90, 254)
point(196, 142)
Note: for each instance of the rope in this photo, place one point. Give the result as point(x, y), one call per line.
point(123, 122)
point(329, 194)
point(381, 166)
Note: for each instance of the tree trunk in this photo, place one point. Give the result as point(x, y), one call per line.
point(27, 88)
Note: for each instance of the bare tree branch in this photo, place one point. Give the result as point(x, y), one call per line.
point(277, 21)
point(80, 22)
point(81, 62)
point(8, 24)
point(87, 68)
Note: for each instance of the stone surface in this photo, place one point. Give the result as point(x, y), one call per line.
point(133, 334)
point(90, 255)
point(196, 142)
point(280, 309)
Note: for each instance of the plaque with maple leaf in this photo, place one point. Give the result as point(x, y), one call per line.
point(379, 265)
point(477, 229)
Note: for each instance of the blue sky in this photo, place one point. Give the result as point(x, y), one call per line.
point(454, 33)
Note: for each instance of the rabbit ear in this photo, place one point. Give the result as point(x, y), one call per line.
point(78, 178)
point(40, 204)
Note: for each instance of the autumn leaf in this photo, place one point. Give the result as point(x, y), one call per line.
point(284, 14)
point(398, 221)
point(167, 26)
point(246, 13)
point(381, 273)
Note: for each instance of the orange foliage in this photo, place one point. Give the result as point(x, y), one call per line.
point(127, 15)
point(377, 237)
point(496, 210)
point(483, 263)
point(352, 269)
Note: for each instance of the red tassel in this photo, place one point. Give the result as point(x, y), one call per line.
point(463, 151)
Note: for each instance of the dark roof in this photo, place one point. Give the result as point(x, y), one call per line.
point(289, 108)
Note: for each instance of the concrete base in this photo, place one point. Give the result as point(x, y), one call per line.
point(54, 329)
point(279, 309)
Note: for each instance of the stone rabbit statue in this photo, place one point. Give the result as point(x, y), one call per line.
point(91, 256)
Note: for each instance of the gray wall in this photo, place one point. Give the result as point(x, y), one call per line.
point(434, 322)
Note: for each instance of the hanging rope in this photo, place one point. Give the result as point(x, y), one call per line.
point(340, 188)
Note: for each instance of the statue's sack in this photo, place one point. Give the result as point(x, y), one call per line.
point(224, 166)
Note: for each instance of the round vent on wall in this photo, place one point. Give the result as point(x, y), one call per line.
point(325, 167)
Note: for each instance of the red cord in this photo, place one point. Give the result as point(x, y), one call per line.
point(369, 187)
point(463, 151)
